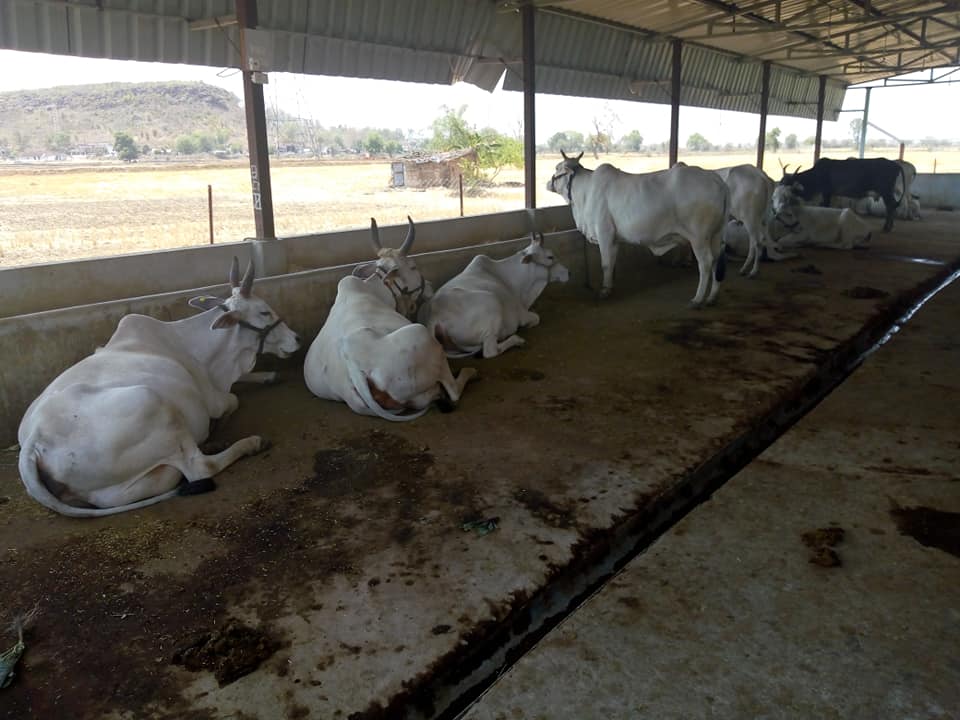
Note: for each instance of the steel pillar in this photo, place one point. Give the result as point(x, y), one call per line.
point(256, 128)
point(821, 99)
point(528, 13)
point(863, 125)
point(764, 103)
point(675, 103)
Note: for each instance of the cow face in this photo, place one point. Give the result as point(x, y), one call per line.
point(563, 175)
point(398, 272)
point(250, 313)
point(536, 253)
point(784, 203)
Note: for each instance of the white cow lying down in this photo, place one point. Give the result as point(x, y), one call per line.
point(116, 431)
point(485, 305)
point(796, 225)
point(369, 355)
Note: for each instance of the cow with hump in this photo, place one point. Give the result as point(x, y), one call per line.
point(119, 429)
point(483, 307)
point(655, 209)
point(369, 354)
point(852, 178)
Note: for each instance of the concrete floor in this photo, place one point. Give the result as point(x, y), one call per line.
point(342, 551)
point(728, 615)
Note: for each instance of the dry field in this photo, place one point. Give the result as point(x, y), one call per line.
point(51, 213)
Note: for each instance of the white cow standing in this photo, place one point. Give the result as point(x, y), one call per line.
point(483, 307)
point(369, 355)
point(116, 431)
point(750, 192)
point(655, 209)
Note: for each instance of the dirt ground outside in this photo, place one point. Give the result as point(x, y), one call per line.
point(53, 213)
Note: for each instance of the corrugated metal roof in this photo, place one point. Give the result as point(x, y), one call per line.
point(589, 48)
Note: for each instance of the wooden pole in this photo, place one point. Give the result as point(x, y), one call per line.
point(461, 194)
point(210, 209)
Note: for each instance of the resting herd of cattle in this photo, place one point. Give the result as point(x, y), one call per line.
point(121, 429)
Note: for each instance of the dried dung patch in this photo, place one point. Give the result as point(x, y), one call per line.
point(542, 507)
point(930, 527)
point(229, 653)
point(821, 542)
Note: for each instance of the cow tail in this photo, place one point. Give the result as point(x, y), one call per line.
point(38, 490)
point(720, 269)
point(451, 349)
point(903, 185)
point(359, 382)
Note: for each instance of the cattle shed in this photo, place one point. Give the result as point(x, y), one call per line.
point(747, 510)
point(444, 169)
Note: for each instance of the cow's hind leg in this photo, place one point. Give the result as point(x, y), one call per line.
point(705, 263)
point(608, 259)
point(196, 466)
point(454, 386)
point(492, 348)
point(157, 481)
point(891, 208)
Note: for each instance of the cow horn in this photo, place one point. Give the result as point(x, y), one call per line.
point(235, 272)
point(564, 154)
point(408, 243)
point(577, 158)
point(375, 235)
point(246, 284)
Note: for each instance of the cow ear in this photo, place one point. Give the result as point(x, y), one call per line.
point(227, 320)
point(527, 259)
point(204, 302)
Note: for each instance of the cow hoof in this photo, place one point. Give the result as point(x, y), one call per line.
point(197, 487)
point(694, 305)
point(605, 293)
point(264, 446)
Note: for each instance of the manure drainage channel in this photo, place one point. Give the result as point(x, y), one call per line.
point(449, 694)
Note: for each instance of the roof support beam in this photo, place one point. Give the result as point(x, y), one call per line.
point(528, 15)
point(867, 10)
point(863, 125)
point(764, 104)
point(256, 129)
point(675, 102)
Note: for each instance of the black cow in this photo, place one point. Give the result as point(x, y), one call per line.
point(850, 178)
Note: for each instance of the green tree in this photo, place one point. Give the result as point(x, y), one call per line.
point(773, 139)
point(393, 147)
point(125, 147)
point(59, 142)
point(790, 142)
point(698, 143)
point(451, 131)
point(374, 143)
point(632, 141)
point(186, 145)
point(568, 141)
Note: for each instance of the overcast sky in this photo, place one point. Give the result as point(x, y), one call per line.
point(908, 113)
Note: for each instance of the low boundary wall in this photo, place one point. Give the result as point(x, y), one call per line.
point(939, 191)
point(36, 347)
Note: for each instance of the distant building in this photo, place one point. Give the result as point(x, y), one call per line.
point(440, 169)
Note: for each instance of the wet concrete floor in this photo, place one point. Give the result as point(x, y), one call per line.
point(332, 576)
point(823, 581)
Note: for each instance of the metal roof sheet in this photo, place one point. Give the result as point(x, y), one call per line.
point(591, 48)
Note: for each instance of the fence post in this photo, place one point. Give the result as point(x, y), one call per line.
point(461, 194)
point(210, 209)
point(901, 151)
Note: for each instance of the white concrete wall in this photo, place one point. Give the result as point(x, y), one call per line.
point(35, 348)
point(937, 191)
point(35, 288)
